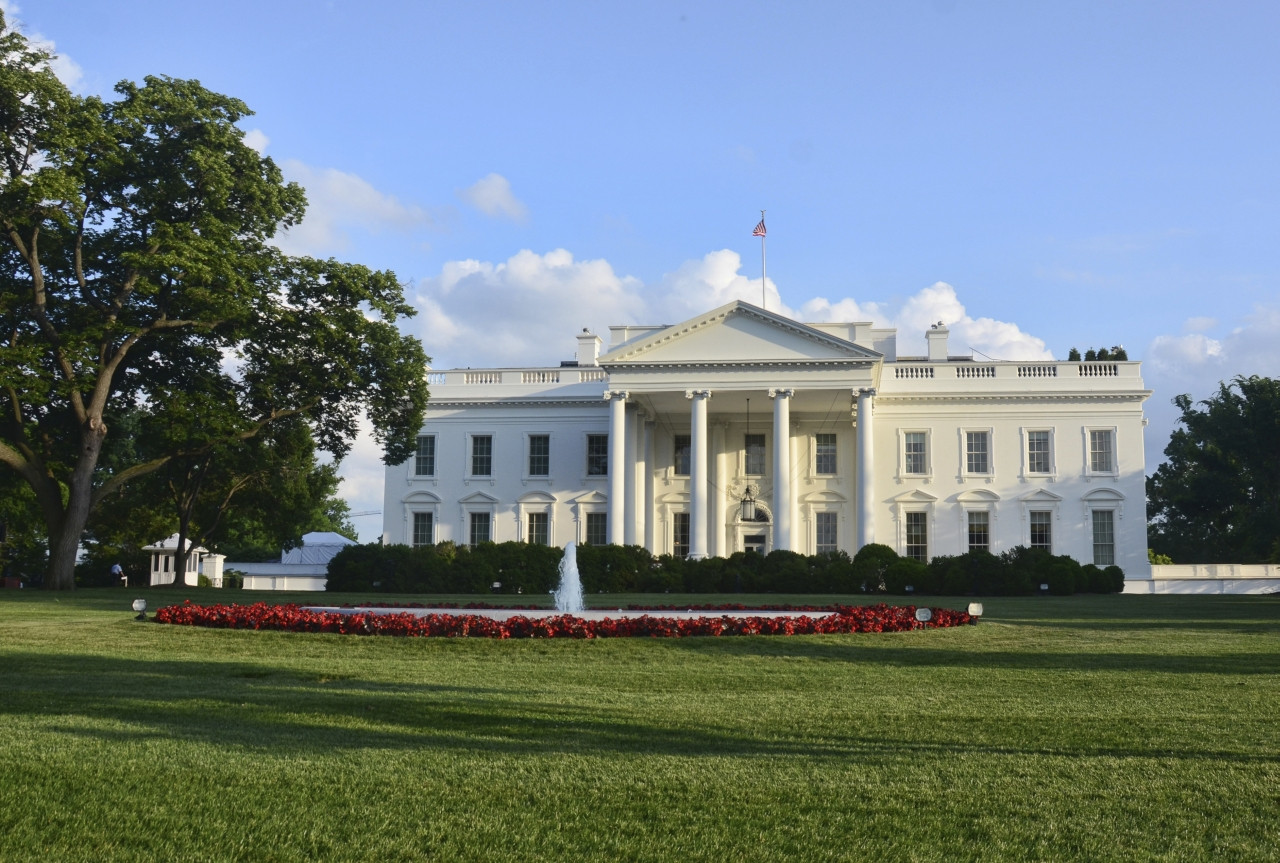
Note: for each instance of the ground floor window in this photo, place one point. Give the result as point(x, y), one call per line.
point(825, 541)
point(480, 528)
point(597, 529)
point(423, 525)
point(680, 535)
point(979, 531)
point(1104, 537)
point(1042, 530)
point(539, 528)
point(918, 536)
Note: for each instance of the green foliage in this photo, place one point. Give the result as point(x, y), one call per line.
point(1158, 559)
point(534, 570)
point(136, 259)
point(1116, 353)
point(1217, 497)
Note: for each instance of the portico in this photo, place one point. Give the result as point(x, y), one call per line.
point(688, 394)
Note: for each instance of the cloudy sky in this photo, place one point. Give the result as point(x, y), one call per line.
point(1039, 176)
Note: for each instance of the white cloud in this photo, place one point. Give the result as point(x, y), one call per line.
point(339, 203)
point(257, 139)
point(1194, 364)
point(492, 196)
point(67, 70)
point(1199, 325)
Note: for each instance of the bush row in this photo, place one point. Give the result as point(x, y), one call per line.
point(534, 569)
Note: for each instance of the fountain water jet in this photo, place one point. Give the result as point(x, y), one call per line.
point(568, 596)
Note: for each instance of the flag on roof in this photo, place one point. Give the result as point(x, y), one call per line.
point(759, 231)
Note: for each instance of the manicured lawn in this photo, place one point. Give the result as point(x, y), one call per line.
point(1088, 728)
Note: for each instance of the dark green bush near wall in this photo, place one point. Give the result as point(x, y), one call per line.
point(520, 568)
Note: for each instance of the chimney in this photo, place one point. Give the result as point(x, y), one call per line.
point(937, 337)
point(588, 347)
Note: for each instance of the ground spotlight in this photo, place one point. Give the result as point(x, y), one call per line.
point(975, 611)
point(140, 606)
point(924, 615)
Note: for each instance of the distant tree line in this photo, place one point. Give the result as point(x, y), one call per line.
point(1116, 353)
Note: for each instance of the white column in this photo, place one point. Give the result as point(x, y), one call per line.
point(698, 474)
point(617, 465)
point(718, 488)
point(782, 503)
point(630, 459)
point(865, 479)
point(650, 517)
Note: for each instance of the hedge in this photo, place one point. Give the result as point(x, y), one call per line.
point(521, 568)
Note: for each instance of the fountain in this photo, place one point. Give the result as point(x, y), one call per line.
point(568, 596)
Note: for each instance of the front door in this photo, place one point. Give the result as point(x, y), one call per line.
point(754, 542)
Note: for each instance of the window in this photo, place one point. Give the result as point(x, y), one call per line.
point(482, 455)
point(539, 529)
point(979, 531)
point(825, 541)
point(597, 455)
point(539, 454)
point(824, 453)
point(1039, 459)
point(1101, 455)
point(424, 462)
point(597, 528)
point(680, 534)
point(977, 449)
point(1042, 530)
point(1104, 537)
point(680, 457)
point(914, 454)
point(918, 536)
point(753, 450)
point(423, 527)
point(480, 528)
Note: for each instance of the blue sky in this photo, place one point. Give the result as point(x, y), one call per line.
point(1040, 176)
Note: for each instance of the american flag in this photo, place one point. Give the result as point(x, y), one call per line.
point(759, 231)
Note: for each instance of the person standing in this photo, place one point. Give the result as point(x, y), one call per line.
point(117, 571)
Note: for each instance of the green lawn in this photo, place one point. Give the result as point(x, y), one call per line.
point(1087, 728)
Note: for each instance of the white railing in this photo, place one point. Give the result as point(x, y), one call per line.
point(913, 372)
point(1099, 370)
point(482, 377)
point(587, 376)
point(967, 371)
point(542, 376)
point(437, 379)
point(1040, 370)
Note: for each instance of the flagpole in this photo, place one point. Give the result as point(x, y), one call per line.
point(764, 271)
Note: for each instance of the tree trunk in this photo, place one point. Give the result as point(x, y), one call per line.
point(65, 532)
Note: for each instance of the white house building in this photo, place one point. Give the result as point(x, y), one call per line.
point(742, 429)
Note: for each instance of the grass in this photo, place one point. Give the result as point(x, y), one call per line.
point(1076, 728)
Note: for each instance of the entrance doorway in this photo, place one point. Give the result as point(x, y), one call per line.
point(756, 542)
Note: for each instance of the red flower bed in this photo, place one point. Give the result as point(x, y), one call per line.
point(293, 618)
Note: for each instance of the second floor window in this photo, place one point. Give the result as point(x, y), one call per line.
point(482, 455)
point(680, 457)
point(977, 447)
point(753, 463)
point(1101, 455)
point(539, 454)
point(597, 455)
point(1038, 460)
point(424, 461)
point(915, 457)
point(824, 453)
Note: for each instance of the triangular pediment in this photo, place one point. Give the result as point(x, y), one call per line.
point(1041, 495)
point(737, 334)
point(915, 496)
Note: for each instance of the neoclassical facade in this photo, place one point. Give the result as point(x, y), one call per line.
point(741, 430)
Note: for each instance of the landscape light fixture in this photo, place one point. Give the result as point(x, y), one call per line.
point(140, 606)
point(975, 611)
point(924, 615)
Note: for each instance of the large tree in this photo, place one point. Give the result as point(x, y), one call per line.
point(1217, 498)
point(137, 269)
